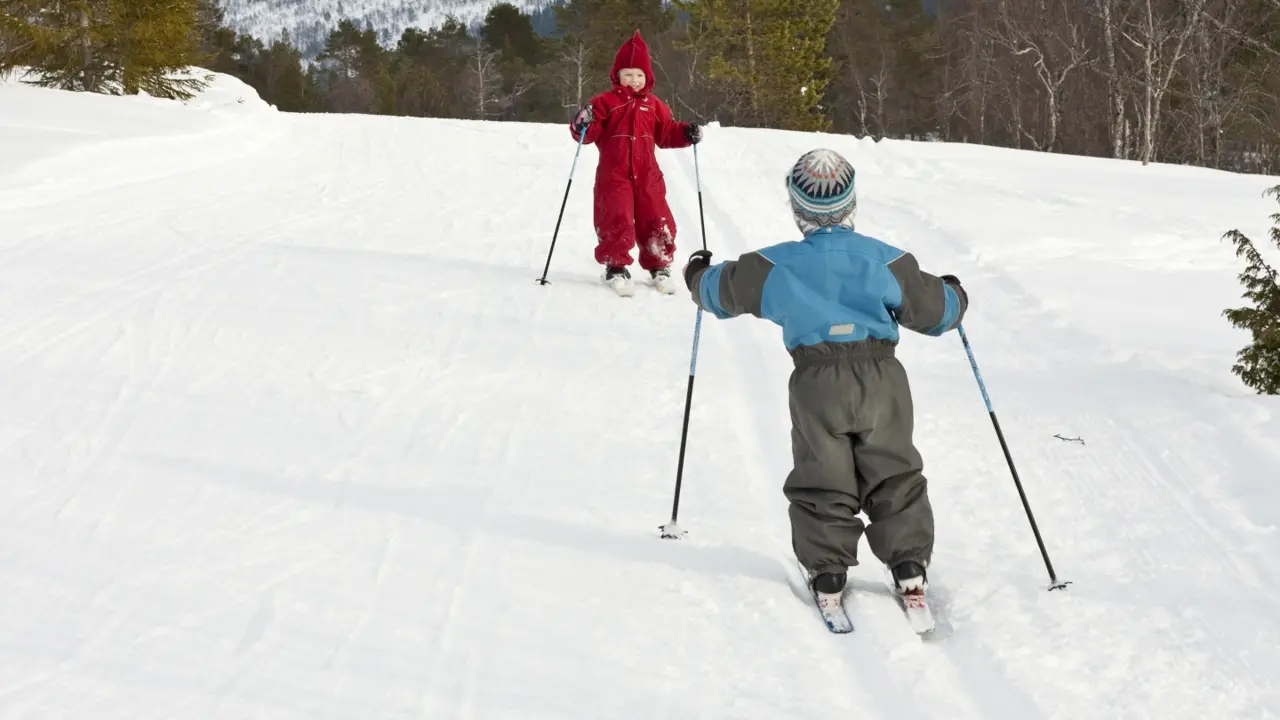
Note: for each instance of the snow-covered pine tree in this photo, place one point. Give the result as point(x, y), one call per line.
point(1259, 363)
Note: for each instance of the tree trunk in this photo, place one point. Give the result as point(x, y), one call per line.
point(753, 93)
point(580, 68)
point(481, 90)
point(1158, 73)
point(1114, 88)
point(88, 83)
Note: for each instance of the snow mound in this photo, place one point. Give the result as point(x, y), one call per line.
point(76, 142)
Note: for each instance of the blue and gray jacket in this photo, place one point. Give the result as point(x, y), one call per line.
point(836, 290)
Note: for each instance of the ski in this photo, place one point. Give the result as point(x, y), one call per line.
point(830, 607)
point(625, 285)
point(627, 288)
point(915, 606)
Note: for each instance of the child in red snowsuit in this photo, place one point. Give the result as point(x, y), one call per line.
point(626, 123)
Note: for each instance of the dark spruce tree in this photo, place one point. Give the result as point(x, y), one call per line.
point(1259, 363)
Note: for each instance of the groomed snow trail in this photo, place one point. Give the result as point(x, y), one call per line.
point(289, 430)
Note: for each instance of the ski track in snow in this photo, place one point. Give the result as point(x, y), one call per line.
point(289, 429)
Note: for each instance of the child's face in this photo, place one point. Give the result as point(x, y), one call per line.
point(632, 78)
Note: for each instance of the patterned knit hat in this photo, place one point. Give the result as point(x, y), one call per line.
point(821, 188)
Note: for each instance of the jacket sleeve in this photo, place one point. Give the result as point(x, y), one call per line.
point(733, 287)
point(596, 128)
point(928, 305)
point(669, 134)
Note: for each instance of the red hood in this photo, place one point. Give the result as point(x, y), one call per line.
point(633, 54)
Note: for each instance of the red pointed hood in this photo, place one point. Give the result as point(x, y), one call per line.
point(634, 53)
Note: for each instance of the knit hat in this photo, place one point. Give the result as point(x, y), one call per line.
point(634, 53)
point(821, 188)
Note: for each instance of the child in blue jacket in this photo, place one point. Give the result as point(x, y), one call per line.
point(840, 296)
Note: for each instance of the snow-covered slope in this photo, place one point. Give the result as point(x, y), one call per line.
point(288, 430)
point(309, 22)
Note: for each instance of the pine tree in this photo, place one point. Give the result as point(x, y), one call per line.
point(798, 64)
point(510, 32)
point(886, 83)
point(770, 54)
point(62, 43)
point(350, 51)
point(525, 92)
point(419, 91)
point(603, 25)
point(447, 52)
point(214, 35)
point(1259, 363)
point(357, 82)
point(279, 78)
point(106, 46)
point(153, 44)
point(13, 35)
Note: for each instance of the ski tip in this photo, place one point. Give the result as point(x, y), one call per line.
point(839, 623)
point(924, 628)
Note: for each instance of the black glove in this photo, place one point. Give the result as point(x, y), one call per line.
point(697, 261)
point(954, 282)
point(693, 133)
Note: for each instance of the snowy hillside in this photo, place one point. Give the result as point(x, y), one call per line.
point(309, 22)
point(288, 430)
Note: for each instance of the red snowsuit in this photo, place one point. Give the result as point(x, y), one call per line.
point(630, 194)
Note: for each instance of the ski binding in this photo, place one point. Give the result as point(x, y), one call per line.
point(916, 607)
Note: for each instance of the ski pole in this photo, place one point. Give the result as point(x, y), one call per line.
point(672, 529)
point(581, 136)
point(1053, 578)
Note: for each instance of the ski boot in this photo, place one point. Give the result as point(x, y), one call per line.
point(827, 583)
point(619, 278)
point(828, 593)
point(909, 578)
point(662, 281)
point(910, 581)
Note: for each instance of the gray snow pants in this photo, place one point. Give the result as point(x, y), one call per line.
point(851, 417)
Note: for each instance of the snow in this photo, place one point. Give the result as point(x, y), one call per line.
point(289, 430)
point(309, 22)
